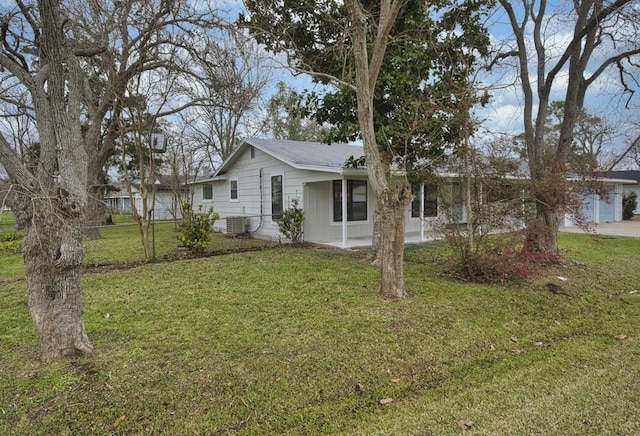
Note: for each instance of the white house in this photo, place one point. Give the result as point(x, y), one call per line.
point(261, 178)
point(167, 200)
point(629, 187)
point(607, 208)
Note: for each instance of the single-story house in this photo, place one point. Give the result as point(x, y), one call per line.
point(629, 175)
point(261, 177)
point(607, 208)
point(167, 201)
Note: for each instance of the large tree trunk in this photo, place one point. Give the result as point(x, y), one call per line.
point(53, 254)
point(544, 237)
point(392, 222)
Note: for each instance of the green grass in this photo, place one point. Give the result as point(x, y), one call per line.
point(121, 243)
point(296, 341)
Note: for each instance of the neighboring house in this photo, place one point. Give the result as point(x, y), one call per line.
point(261, 177)
point(608, 208)
point(167, 204)
point(629, 175)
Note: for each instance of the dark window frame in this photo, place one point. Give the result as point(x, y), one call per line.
point(430, 193)
point(277, 197)
point(357, 210)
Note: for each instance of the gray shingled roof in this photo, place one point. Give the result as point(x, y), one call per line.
point(307, 154)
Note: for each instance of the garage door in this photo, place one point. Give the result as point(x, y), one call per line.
point(608, 207)
point(588, 206)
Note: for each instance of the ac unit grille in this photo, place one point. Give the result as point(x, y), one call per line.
point(236, 225)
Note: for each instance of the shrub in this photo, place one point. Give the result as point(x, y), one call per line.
point(196, 227)
point(12, 236)
point(290, 224)
point(629, 204)
point(500, 258)
point(11, 247)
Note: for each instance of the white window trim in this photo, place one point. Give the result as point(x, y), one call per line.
point(234, 200)
point(207, 200)
point(284, 201)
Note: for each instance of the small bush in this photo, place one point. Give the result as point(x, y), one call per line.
point(11, 247)
point(629, 204)
point(12, 236)
point(196, 227)
point(290, 224)
point(501, 258)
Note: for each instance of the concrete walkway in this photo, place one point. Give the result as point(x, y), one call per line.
point(622, 228)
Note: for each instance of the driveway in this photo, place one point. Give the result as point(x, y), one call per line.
point(622, 228)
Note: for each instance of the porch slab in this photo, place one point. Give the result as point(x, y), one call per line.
point(364, 242)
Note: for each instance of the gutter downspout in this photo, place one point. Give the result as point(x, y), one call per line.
point(261, 201)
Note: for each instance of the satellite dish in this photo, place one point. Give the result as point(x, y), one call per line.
point(158, 142)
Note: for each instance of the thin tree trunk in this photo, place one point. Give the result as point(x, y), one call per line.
point(96, 211)
point(391, 195)
point(376, 237)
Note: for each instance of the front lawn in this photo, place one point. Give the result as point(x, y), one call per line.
point(296, 341)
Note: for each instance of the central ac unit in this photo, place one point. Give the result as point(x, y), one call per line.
point(236, 225)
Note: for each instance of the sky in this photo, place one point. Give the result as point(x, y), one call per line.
point(504, 112)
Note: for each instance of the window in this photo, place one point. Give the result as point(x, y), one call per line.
point(430, 200)
point(233, 190)
point(207, 192)
point(276, 197)
point(356, 200)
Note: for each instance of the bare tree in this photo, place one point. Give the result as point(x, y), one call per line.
point(70, 62)
point(49, 199)
point(138, 37)
point(186, 160)
point(577, 45)
point(231, 72)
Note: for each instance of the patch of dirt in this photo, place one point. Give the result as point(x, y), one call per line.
point(173, 257)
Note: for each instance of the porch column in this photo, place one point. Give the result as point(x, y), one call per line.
point(344, 212)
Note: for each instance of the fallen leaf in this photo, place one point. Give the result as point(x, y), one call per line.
point(562, 279)
point(466, 424)
point(118, 421)
point(386, 401)
point(395, 380)
point(493, 347)
point(514, 339)
point(359, 388)
point(620, 337)
point(519, 351)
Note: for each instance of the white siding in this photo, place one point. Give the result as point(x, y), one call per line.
point(319, 225)
point(254, 191)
